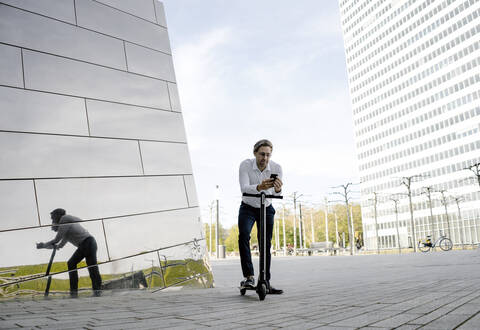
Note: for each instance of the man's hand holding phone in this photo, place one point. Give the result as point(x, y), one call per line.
point(273, 181)
point(277, 183)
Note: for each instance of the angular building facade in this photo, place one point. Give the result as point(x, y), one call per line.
point(90, 121)
point(413, 69)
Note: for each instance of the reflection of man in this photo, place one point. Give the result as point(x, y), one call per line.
point(254, 178)
point(69, 230)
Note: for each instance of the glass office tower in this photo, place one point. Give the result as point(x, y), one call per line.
point(414, 77)
point(90, 121)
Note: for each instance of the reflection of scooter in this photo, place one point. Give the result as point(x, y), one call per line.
point(261, 287)
point(49, 280)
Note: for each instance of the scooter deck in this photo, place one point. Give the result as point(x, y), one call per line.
point(244, 289)
point(247, 288)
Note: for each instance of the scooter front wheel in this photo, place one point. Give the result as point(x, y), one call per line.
point(262, 291)
point(242, 291)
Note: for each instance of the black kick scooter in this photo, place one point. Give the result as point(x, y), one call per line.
point(49, 280)
point(261, 287)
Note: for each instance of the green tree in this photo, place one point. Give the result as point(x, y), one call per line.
point(231, 242)
point(221, 237)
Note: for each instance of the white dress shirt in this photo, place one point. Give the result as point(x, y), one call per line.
point(250, 177)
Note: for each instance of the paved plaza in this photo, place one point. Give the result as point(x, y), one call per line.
point(410, 291)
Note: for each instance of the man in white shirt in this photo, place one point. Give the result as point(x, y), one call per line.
point(255, 176)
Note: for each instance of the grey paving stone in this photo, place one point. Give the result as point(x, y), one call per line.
point(40, 321)
point(467, 308)
point(228, 326)
point(301, 324)
point(431, 306)
point(366, 319)
point(9, 324)
point(396, 320)
point(429, 317)
point(472, 323)
point(449, 321)
point(340, 315)
point(330, 327)
point(408, 327)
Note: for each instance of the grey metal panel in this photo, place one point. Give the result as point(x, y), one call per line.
point(174, 97)
point(191, 190)
point(160, 12)
point(29, 111)
point(101, 18)
point(149, 62)
point(118, 120)
point(92, 198)
point(126, 266)
point(18, 247)
point(165, 158)
point(11, 72)
point(28, 30)
point(181, 252)
point(59, 75)
point(36, 155)
point(63, 10)
point(132, 235)
point(18, 207)
point(140, 8)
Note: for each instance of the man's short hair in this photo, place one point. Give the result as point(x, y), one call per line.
point(57, 214)
point(262, 143)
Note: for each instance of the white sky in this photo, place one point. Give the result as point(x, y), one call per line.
point(274, 69)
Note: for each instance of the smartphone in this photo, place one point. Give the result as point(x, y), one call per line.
point(273, 176)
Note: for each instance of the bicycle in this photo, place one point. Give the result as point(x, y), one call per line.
point(443, 242)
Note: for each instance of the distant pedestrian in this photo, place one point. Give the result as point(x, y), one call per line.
point(358, 243)
point(69, 230)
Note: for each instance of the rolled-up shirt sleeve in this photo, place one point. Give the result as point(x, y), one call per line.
point(244, 179)
point(62, 229)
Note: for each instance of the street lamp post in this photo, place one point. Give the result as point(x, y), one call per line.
point(352, 222)
point(349, 224)
point(275, 232)
point(445, 203)
point(428, 191)
point(457, 201)
point(396, 200)
point(475, 168)
point(311, 223)
point(326, 223)
point(304, 229)
point(295, 198)
point(407, 182)
point(375, 200)
point(365, 235)
point(211, 225)
point(337, 238)
point(300, 226)
point(284, 236)
point(217, 241)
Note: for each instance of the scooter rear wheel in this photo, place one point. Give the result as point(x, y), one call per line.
point(242, 291)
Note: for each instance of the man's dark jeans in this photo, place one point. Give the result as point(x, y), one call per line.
point(88, 250)
point(247, 216)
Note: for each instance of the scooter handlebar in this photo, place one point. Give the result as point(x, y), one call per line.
point(260, 195)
